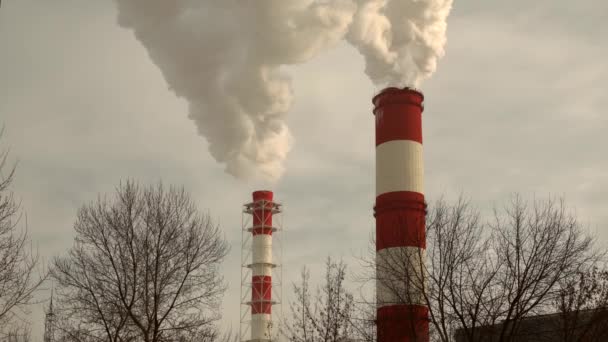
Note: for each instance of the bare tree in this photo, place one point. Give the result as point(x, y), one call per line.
point(475, 274)
point(537, 247)
point(462, 271)
point(363, 318)
point(19, 274)
point(582, 306)
point(17, 333)
point(144, 267)
point(324, 315)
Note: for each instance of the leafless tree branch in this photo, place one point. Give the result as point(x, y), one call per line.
point(19, 272)
point(144, 266)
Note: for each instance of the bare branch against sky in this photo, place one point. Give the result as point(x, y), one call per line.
point(20, 275)
point(144, 266)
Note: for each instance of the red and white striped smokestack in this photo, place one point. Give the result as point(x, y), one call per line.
point(402, 314)
point(261, 266)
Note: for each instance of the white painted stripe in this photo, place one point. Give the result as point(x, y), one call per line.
point(400, 276)
point(262, 249)
point(399, 167)
point(261, 327)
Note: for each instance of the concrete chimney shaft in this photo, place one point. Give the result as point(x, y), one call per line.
point(402, 314)
point(262, 264)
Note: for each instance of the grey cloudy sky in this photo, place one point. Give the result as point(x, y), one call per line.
point(517, 105)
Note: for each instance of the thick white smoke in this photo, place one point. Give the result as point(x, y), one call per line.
point(225, 57)
point(401, 40)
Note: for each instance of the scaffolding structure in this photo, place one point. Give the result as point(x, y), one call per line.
point(49, 322)
point(264, 215)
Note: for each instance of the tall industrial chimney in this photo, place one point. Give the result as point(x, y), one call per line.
point(258, 265)
point(402, 314)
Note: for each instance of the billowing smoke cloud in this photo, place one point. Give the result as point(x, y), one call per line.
point(401, 40)
point(225, 58)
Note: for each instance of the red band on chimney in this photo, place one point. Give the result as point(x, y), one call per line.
point(400, 220)
point(398, 115)
point(262, 214)
point(403, 323)
point(261, 294)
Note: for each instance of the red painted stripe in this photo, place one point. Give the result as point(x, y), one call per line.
point(403, 323)
point(398, 115)
point(262, 214)
point(261, 294)
point(261, 288)
point(400, 220)
point(262, 195)
point(262, 219)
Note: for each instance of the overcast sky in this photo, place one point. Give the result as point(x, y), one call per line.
point(518, 105)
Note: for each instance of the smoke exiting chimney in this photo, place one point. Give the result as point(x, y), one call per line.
point(401, 40)
point(402, 314)
point(259, 266)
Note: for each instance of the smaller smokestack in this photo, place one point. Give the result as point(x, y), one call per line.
point(261, 264)
point(261, 281)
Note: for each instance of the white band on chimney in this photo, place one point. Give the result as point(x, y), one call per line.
point(262, 255)
point(262, 248)
point(399, 167)
point(261, 327)
point(399, 276)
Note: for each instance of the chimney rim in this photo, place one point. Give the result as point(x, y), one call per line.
point(260, 195)
point(396, 90)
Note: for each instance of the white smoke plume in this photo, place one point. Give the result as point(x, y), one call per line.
point(401, 40)
point(225, 57)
